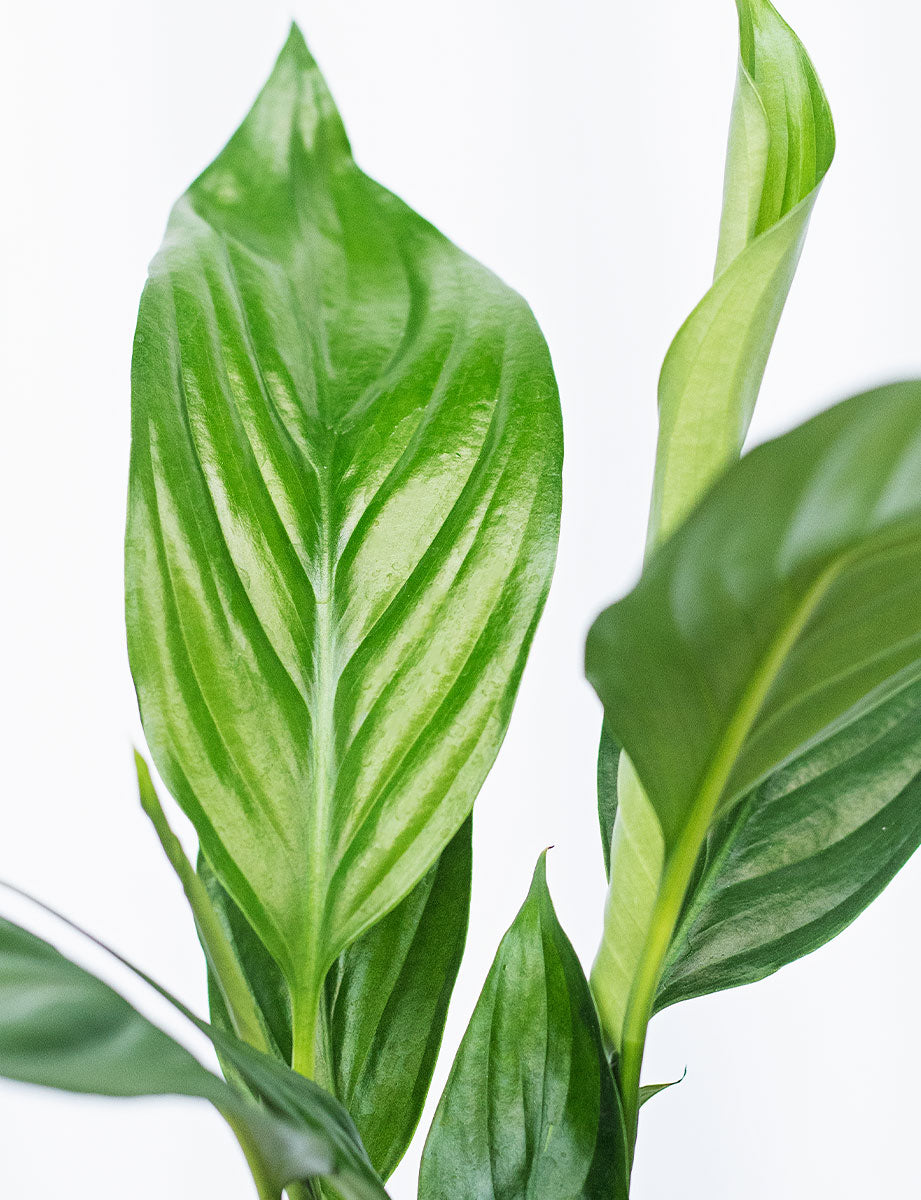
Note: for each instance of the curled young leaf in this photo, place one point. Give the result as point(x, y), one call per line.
point(781, 142)
point(345, 437)
point(530, 1109)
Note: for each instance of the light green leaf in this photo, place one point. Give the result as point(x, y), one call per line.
point(385, 1003)
point(61, 1027)
point(790, 594)
point(805, 852)
point(530, 1110)
point(781, 143)
point(343, 513)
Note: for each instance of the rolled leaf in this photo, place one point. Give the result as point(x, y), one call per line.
point(781, 142)
point(61, 1027)
point(385, 1002)
point(805, 852)
point(530, 1108)
point(343, 513)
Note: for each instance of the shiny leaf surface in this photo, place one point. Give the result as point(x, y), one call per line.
point(343, 512)
point(805, 853)
point(790, 594)
point(781, 143)
point(386, 1000)
point(530, 1109)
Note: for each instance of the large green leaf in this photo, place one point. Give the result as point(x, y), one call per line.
point(530, 1110)
point(805, 852)
point(343, 513)
point(790, 594)
point(385, 1003)
point(781, 142)
point(62, 1027)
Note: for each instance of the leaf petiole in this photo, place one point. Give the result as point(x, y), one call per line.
point(218, 950)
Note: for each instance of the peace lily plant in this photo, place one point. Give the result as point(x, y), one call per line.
point(343, 514)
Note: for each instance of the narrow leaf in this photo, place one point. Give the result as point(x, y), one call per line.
point(61, 1027)
point(781, 143)
point(385, 1003)
point(345, 439)
point(805, 852)
point(530, 1109)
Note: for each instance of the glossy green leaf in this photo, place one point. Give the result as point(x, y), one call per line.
point(343, 514)
point(805, 852)
point(790, 594)
point(781, 143)
point(61, 1027)
point(385, 1004)
point(530, 1109)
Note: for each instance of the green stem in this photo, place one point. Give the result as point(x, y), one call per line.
point(266, 1187)
point(681, 861)
point(304, 1021)
point(241, 1006)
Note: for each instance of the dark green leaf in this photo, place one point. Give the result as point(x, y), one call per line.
point(343, 513)
point(791, 593)
point(608, 759)
point(530, 1109)
point(805, 853)
point(386, 1000)
point(63, 1028)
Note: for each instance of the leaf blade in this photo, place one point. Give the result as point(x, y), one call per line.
point(345, 433)
point(804, 854)
point(550, 1123)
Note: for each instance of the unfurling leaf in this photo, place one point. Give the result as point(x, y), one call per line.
point(343, 513)
point(530, 1109)
point(781, 143)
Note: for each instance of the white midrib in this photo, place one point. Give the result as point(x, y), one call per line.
point(307, 991)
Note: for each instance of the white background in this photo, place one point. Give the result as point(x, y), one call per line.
point(577, 149)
